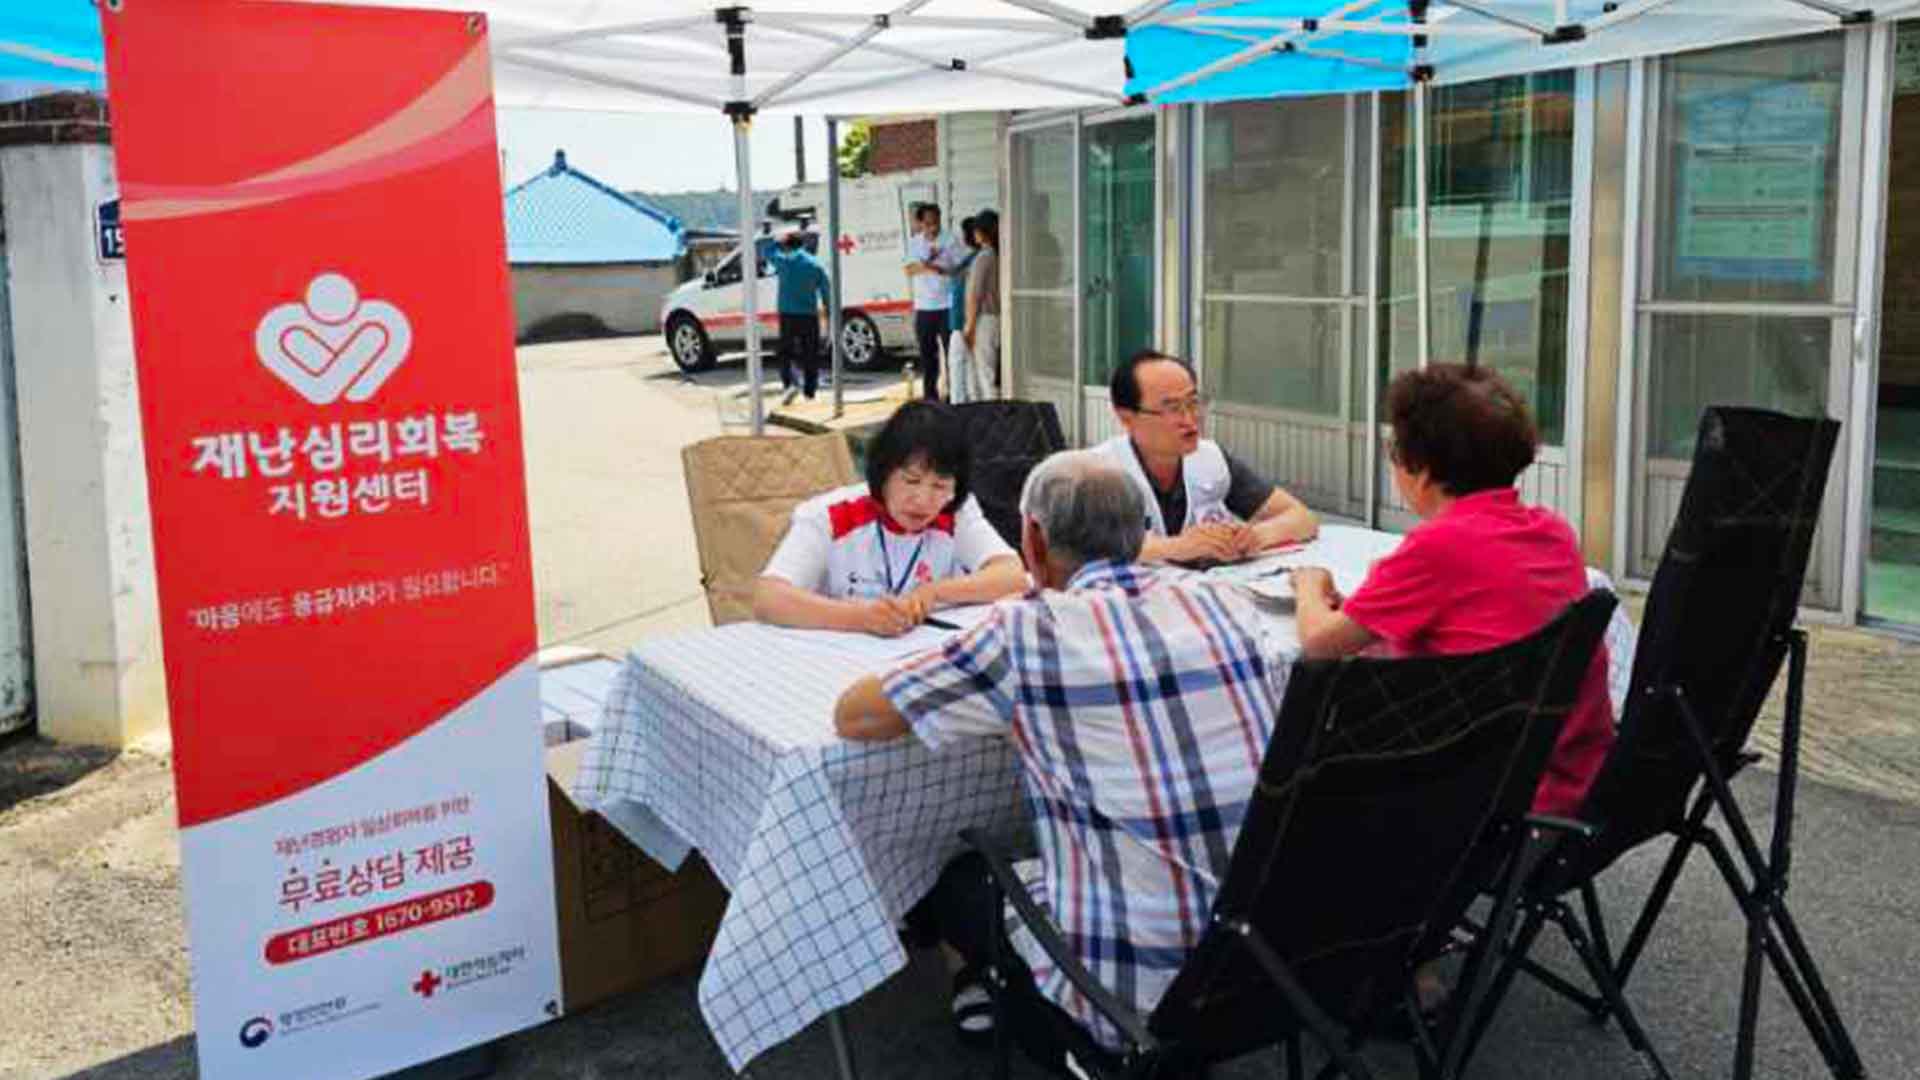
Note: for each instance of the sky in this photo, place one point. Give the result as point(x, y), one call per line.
point(658, 152)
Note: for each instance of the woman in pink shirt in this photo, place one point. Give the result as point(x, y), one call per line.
point(1481, 569)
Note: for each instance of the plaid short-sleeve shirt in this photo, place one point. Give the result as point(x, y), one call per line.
point(1141, 703)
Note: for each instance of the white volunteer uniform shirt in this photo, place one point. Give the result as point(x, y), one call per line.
point(842, 546)
point(1204, 472)
point(931, 292)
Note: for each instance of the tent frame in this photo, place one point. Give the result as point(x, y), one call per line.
point(1061, 25)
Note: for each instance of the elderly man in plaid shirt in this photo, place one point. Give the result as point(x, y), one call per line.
point(1141, 702)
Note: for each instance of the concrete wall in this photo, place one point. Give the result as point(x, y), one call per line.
point(97, 663)
point(626, 297)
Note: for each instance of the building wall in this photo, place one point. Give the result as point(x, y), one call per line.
point(97, 663)
point(625, 298)
point(970, 160)
point(905, 145)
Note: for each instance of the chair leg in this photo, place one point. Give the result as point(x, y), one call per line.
point(1515, 953)
point(1485, 965)
point(1595, 962)
point(1311, 1016)
point(1794, 970)
point(1290, 1056)
point(1764, 909)
point(997, 990)
point(1848, 1064)
point(1602, 943)
point(1662, 888)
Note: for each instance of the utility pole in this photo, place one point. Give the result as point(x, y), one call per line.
point(799, 150)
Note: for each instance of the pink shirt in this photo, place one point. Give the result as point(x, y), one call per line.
point(1483, 573)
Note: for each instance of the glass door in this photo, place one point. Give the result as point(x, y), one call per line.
point(1500, 197)
point(1040, 255)
point(1118, 228)
point(1747, 266)
point(1280, 307)
point(1893, 535)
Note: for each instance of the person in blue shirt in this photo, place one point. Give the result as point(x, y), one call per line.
point(803, 302)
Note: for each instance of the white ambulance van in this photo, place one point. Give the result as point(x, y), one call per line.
point(704, 318)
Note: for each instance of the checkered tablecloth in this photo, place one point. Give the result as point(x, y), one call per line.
point(722, 740)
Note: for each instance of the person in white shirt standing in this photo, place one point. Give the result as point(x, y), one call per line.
point(931, 259)
point(880, 557)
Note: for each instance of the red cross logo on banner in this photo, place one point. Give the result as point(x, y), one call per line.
point(845, 244)
point(426, 984)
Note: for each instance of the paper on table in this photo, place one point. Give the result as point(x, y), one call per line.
point(1345, 552)
point(879, 652)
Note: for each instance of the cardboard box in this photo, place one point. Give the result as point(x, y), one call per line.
point(625, 921)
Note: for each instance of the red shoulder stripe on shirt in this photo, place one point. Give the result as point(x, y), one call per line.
point(858, 513)
point(852, 514)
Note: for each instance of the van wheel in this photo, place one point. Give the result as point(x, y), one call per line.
point(688, 343)
point(860, 343)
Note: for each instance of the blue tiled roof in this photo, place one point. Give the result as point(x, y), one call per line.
point(565, 216)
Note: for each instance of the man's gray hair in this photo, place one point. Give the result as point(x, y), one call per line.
point(1086, 506)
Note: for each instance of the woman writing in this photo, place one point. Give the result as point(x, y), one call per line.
point(881, 556)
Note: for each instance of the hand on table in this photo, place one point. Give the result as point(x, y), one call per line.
point(921, 603)
point(1317, 582)
point(889, 616)
point(1219, 541)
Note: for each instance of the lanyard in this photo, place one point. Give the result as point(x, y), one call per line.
point(886, 561)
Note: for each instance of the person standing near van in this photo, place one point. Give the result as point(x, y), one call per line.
point(980, 328)
point(960, 377)
point(803, 301)
point(930, 261)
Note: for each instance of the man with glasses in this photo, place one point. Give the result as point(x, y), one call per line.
point(1203, 504)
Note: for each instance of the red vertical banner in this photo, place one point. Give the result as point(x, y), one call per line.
point(324, 339)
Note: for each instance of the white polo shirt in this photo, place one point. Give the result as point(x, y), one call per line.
point(843, 545)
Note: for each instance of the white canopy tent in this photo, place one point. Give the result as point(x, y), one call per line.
point(790, 56)
point(865, 57)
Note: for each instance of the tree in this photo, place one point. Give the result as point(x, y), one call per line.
point(856, 150)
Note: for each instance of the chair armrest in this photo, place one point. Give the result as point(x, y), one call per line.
point(1048, 936)
point(1563, 825)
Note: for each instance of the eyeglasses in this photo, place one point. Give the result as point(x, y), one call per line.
point(1192, 406)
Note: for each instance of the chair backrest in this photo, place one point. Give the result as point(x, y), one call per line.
point(742, 490)
point(1380, 809)
point(1717, 619)
point(1008, 438)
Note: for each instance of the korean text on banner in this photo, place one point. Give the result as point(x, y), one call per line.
point(311, 201)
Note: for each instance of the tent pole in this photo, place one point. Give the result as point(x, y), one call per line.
point(832, 237)
point(749, 264)
point(1422, 271)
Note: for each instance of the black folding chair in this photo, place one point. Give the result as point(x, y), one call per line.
point(1718, 623)
point(1390, 789)
point(1008, 439)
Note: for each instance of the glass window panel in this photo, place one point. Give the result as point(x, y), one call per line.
point(1043, 209)
point(1117, 232)
point(1279, 356)
point(1500, 164)
point(1749, 172)
point(1275, 183)
point(1045, 326)
point(1701, 360)
point(1893, 544)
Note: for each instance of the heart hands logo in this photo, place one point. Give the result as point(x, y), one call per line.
point(333, 343)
